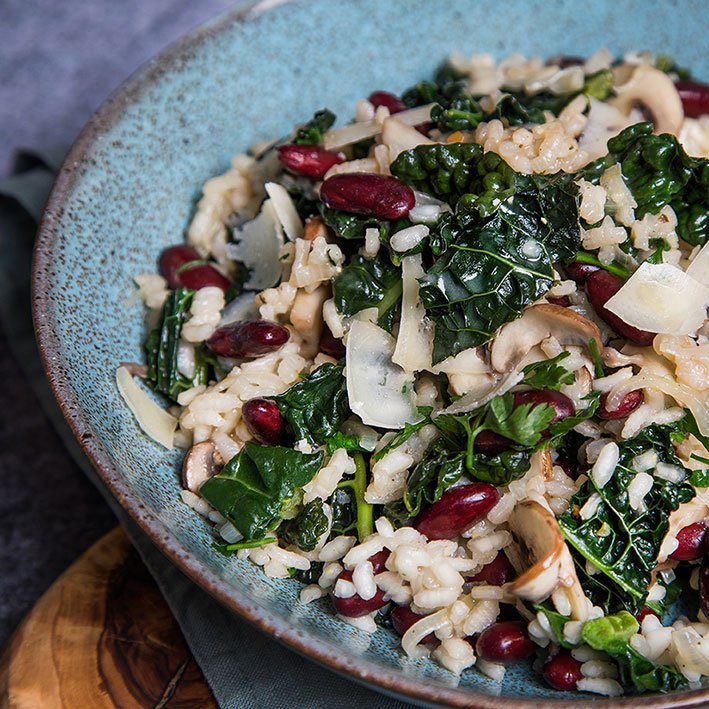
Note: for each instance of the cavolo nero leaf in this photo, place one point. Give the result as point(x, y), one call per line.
point(369, 284)
point(306, 527)
point(351, 226)
point(496, 265)
point(316, 406)
point(311, 132)
point(622, 543)
point(162, 348)
point(659, 172)
point(260, 487)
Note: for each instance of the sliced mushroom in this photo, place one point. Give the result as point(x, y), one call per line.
point(315, 227)
point(550, 566)
point(202, 462)
point(306, 317)
point(656, 92)
point(536, 324)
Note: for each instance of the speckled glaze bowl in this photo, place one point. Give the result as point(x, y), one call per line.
point(128, 189)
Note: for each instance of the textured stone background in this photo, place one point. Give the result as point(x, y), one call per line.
point(58, 61)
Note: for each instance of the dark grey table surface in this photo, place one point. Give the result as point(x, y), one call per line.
point(58, 61)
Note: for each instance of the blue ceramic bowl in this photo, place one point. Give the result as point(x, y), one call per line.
point(128, 189)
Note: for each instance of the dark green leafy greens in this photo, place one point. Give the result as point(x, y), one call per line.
point(163, 344)
point(313, 130)
point(364, 517)
point(369, 284)
point(659, 172)
point(306, 527)
point(623, 543)
point(611, 634)
point(260, 487)
point(495, 265)
point(317, 406)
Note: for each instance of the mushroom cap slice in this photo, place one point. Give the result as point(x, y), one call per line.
point(537, 323)
point(202, 462)
point(551, 568)
point(655, 91)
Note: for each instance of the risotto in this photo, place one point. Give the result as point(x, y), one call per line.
point(447, 365)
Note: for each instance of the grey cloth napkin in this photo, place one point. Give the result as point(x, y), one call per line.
point(243, 667)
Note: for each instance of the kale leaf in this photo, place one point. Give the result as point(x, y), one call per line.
point(259, 487)
point(367, 284)
point(162, 347)
point(306, 527)
point(311, 132)
point(316, 406)
point(496, 265)
point(437, 470)
point(351, 226)
point(659, 172)
point(623, 543)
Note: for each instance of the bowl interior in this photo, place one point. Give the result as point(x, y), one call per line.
point(128, 190)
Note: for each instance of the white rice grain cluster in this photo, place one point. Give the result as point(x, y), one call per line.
point(152, 289)
point(544, 148)
point(205, 314)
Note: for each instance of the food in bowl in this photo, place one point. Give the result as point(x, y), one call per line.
point(446, 365)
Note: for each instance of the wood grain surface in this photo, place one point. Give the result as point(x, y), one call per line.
point(101, 637)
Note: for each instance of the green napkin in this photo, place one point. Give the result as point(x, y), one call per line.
point(244, 667)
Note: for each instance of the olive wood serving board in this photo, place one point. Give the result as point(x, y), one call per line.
point(103, 637)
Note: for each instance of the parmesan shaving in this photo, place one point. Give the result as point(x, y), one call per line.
point(285, 210)
point(414, 345)
point(380, 392)
point(355, 132)
point(153, 420)
point(661, 298)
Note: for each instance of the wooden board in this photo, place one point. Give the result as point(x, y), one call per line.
point(103, 637)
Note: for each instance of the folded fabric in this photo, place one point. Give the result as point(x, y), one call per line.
point(243, 667)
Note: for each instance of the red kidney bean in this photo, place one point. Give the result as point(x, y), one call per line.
point(390, 101)
point(308, 160)
point(563, 301)
point(601, 286)
point(569, 468)
point(562, 405)
point(264, 421)
point(331, 345)
point(644, 613)
point(490, 443)
point(695, 97)
point(628, 403)
point(195, 277)
point(504, 642)
point(368, 194)
point(402, 618)
point(378, 560)
point(248, 338)
point(563, 61)
point(355, 606)
point(457, 510)
point(497, 572)
point(579, 271)
point(690, 542)
point(562, 671)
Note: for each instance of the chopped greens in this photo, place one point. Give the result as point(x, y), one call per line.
point(163, 346)
point(260, 487)
point(659, 172)
point(621, 542)
point(306, 527)
point(312, 131)
point(369, 284)
point(317, 406)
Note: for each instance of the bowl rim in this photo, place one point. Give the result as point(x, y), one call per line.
point(358, 669)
